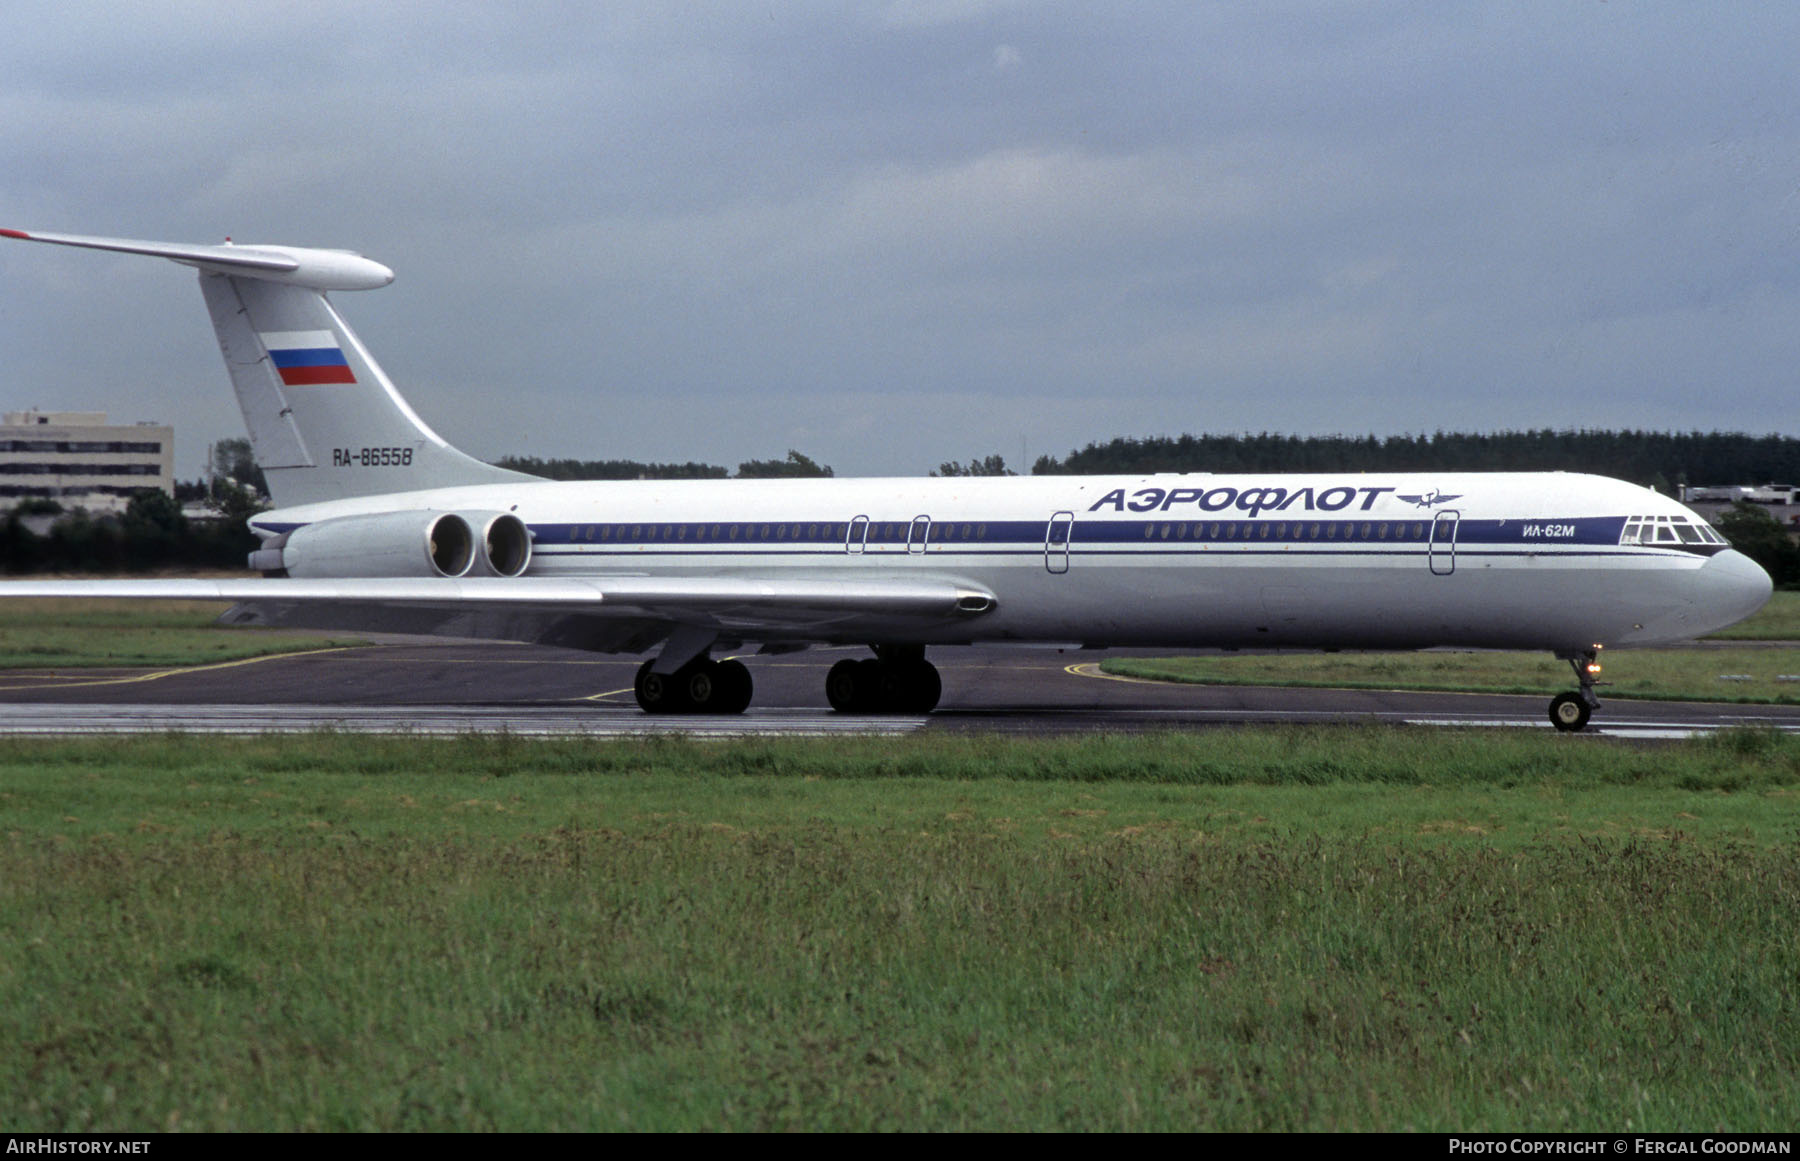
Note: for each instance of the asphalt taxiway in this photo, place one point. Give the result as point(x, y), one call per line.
point(449, 687)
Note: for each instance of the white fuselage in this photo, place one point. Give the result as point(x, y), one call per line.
point(1556, 561)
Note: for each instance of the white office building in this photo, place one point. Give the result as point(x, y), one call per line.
point(79, 460)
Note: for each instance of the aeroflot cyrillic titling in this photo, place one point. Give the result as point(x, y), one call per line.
point(1252, 500)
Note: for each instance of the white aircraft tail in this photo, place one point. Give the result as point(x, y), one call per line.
point(325, 422)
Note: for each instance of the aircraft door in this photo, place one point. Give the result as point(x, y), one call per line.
point(1442, 550)
point(1057, 535)
point(858, 536)
point(918, 534)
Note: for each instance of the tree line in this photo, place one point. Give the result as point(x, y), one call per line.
point(150, 534)
point(1661, 459)
point(795, 465)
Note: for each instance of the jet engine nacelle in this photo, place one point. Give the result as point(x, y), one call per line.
point(402, 544)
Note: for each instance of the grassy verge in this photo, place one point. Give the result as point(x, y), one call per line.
point(52, 632)
point(1751, 675)
point(1286, 929)
point(1779, 620)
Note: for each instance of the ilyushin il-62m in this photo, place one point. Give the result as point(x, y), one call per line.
point(381, 524)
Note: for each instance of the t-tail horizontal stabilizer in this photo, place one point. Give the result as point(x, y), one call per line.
point(290, 265)
point(324, 420)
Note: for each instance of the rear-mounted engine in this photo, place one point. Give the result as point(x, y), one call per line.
point(401, 544)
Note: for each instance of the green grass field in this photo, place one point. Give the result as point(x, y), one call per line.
point(1779, 620)
point(1766, 674)
point(1261, 929)
point(1751, 675)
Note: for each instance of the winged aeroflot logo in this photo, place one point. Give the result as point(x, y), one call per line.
point(1428, 499)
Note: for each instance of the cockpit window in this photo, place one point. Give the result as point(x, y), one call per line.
point(1668, 530)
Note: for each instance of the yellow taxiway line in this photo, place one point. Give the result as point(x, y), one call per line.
point(158, 674)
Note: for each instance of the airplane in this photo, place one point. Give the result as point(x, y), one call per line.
point(381, 524)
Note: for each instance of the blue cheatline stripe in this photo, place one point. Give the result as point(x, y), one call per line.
point(1586, 537)
point(1540, 535)
point(1223, 553)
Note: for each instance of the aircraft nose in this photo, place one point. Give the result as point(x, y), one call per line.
point(1729, 588)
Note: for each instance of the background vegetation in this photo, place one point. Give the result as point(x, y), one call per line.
point(151, 534)
point(1662, 459)
point(794, 465)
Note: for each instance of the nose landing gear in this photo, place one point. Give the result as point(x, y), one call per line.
point(1570, 711)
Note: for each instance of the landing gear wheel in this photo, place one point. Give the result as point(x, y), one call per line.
point(883, 687)
point(698, 682)
point(920, 687)
point(1568, 712)
point(659, 693)
point(702, 686)
point(842, 686)
point(734, 688)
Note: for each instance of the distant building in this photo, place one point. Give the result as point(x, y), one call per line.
point(77, 459)
point(1731, 493)
point(1781, 500)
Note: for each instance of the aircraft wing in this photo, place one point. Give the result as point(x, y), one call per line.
point(626, 613)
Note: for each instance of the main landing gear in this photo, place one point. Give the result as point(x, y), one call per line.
point(702, 686)
point(897, 680)
point(1571, 711)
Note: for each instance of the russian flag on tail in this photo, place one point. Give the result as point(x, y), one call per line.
point(307, 357)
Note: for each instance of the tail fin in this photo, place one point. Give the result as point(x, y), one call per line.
point(324, 421)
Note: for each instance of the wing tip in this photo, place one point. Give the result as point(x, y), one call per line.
point(15, 234)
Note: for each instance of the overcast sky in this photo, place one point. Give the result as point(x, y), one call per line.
point(890, 234)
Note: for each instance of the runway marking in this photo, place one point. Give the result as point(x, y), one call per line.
point(157, 675)
point(1646, 730)
point(1092, 669)
point(425, 721)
